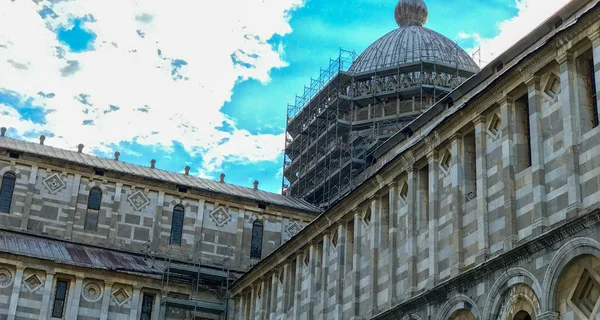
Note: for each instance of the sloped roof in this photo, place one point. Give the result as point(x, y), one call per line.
point(156, 174)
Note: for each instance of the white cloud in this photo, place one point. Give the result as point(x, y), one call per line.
point(125, 70)
point(531, 13)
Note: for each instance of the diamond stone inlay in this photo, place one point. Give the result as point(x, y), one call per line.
point(220, 216)
point(120, 296)
point(138, 200)
point(54, 183)
point(33, 283)
point(293, 229)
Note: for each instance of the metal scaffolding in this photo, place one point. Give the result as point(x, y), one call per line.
point(335, 126)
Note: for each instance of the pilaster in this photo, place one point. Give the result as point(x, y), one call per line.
point(297, 286)
point(264, 298)
point(240, 310)
point(324, 274)
point(158, 221)
point(483, 242)
point(341, 263)
point(198, 226)
point(48, 285)
point(393, 243)
point(411, 245)
point(538, 174)
point(106, 300)
point(273, 296)
point(595, 39)
point(252, 314)
point(114, 219)
point(16, 290)
point(356, 265)
point(374, 256)
point(571, 115)
point(507, 111)
point(240, 237)
point(29, 197)
point(72, 206)
point(433, 207)
point(457, 259)
point(75, 297)
point(311, 279)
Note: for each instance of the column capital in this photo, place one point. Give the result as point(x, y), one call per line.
point(411, 169)
point(564, 56)
point(533, 81)
point(506, 99)
point(455, 137)
point(595, 37)
point(479, 119)
point(432, 156)
point(392, 184)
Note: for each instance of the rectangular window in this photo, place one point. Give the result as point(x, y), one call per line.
point(470, 165)
point(349, 246)
point(60, 298)
point(147, 304)
point(523, 133)
point(593, 92)
point(423, 197)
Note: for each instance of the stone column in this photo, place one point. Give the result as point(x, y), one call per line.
point(312, 266)
point(16, 290)
point(114, 219)
point(273, 306)
point(157, 306)
point(74, 298)
point(158, 221)
point(135, 303)
point(341, 275)
point(483, 243)
point(571, 130)
point(433, 165)
point(29, 197)
point(297, 286)
point(252, 314)
point(356, 264)
point(393, 243)
point(48, 286)
point(324, 274)
point(72, 207)
point(106, 300)
point(538, 174)
point(411, 234)
point(457, 259)
point(507, 110)
point(374, 256)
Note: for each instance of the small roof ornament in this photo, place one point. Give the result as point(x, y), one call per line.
point(411, 13)
point(42, 139)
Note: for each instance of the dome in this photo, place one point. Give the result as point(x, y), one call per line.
point(412, 42)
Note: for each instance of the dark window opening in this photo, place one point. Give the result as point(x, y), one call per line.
point(256, 243)
point(523, 129)
point(14, 155)
point(182, 189)
point(262, 205)
point(177, 225)
point(60, 297)
point(593, 92)
point(147, 304)
point(99, 172)
point(6, 191)
point(470, 167)
point(93, 209)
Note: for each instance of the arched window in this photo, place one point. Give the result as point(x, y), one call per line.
point(257, 236)
point(6, 191)
point(177, 225)
point(93, 209)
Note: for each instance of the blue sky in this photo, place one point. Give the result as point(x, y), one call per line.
point(206, 85)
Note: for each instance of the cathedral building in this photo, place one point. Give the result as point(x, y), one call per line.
point(478, 199)
point(484, 206)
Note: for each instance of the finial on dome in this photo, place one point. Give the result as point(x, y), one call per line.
point(411, 13)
